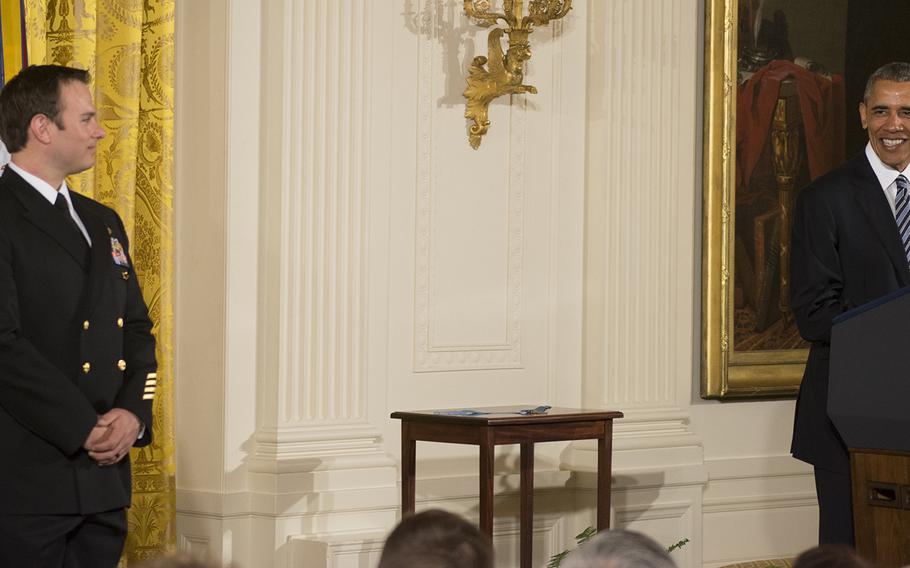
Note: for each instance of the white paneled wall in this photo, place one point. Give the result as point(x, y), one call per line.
point(470, 213)
point(343, 253)
point(481, 249)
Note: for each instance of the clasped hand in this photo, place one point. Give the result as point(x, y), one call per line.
point(112, 437)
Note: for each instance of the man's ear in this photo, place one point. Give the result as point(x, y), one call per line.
point(39, 128)
point(862, 115)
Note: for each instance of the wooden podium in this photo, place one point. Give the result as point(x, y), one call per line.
point(881, 505)
point(869, 403)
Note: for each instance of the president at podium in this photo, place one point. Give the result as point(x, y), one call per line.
point(850, 245)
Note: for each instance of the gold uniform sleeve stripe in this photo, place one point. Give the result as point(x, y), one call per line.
point(148, 397)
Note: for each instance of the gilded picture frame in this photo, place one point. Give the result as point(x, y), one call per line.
point(728, 373)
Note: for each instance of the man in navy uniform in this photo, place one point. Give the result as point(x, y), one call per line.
point(77, 356)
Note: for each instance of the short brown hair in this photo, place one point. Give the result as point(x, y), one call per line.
point(436, 539)
point(34, 90)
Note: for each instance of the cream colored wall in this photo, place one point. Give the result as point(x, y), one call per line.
point(343, 253)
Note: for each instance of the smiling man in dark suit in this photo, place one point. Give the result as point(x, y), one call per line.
point(851, 245)
point(77, 357)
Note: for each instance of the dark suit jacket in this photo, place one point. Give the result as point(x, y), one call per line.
point(845, 251)
point(66, 329)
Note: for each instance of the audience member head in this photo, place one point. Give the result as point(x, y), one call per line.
point(619, 549)
point(831, 556)
point(436, 539)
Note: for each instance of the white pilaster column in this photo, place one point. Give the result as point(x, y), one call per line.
point(640, 258)
point(641, 217)
point(313, 434)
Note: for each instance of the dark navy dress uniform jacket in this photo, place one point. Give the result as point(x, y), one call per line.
point(75, 342)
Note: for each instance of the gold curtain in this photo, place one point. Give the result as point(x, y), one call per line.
point(128, 47)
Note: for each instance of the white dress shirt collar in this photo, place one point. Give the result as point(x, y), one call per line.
point(886, 175)
point(49, 193)
point(44, 188)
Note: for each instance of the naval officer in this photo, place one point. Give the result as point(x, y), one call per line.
point(77, 356)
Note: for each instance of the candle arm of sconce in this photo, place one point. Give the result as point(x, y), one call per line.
point(554, 10)
point(483, 17)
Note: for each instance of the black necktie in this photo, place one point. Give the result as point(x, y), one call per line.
point(64, 209)
point(62, 206)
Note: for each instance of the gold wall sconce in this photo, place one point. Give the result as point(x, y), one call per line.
point(500, 74)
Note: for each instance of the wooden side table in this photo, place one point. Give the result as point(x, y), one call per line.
point(503, 425)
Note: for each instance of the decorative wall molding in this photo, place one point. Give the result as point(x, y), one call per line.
point(363, 549)
point(314, 440)
point(549, 534)
point(351, 551)
point(314, 328)
point(758, 483)
point(783, 526)
point(652, 511)
point(288, 448)
point(432, 353)
point(640, 255)
point(300, 503)
point(646, 442)
point(193, 544)
point(751, 467)
point(322, 229)
point(759, 502)
point(565, 210)
point(641, 215)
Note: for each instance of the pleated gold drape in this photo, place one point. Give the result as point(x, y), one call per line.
point(128, 47)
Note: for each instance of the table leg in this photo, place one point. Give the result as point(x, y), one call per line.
point(486, 484)
point(604, 459)
point(408, 470)
point(526, 532)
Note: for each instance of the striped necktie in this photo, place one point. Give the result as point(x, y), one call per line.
point(902, 213)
